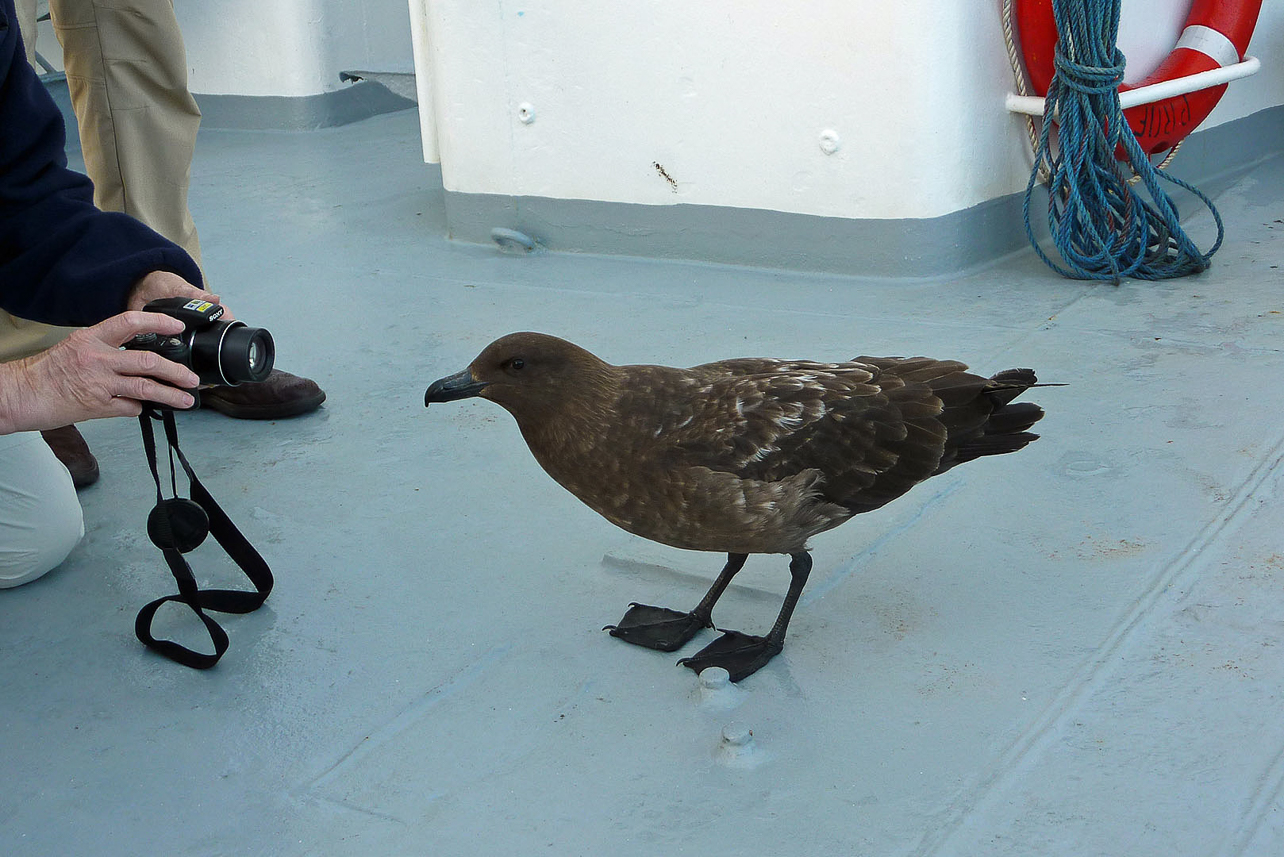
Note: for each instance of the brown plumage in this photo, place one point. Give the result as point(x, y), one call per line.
point(740, 456)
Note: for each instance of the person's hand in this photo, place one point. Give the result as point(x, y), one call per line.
point(163, 284)
point(88, 376)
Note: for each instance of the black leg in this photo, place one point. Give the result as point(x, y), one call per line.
point(669, 630)
point(744, 654)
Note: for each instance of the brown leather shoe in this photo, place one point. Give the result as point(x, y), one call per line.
point(71, 449)
point(281, 395)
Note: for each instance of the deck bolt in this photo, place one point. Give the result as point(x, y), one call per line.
point(715, 691)
point(737, 735)
point(714, 678)
point(737, 748)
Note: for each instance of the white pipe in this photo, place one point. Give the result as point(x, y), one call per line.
point(1032, 105)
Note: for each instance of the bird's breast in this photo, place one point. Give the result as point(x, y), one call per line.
point(691, 507)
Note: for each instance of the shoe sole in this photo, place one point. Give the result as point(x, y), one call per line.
point(266, 412)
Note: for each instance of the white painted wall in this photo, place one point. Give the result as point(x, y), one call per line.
point(732, 97)
point(290, 47)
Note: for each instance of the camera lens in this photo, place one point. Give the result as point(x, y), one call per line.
point(232, 353)
point(255, 356)
point(247, 354)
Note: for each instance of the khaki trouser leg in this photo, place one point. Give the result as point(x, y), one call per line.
point(27, 26)
point(127, 73)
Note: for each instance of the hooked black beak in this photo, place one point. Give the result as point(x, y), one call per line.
point(461, 385)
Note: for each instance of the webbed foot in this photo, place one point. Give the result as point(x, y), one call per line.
point(657, 627)
point(739, 654)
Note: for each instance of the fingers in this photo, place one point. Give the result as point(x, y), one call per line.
point(163, 284)
point(215, 299)
point(124, 408)
point(131, 391)
point(119, 329)
point(94, 369)
point(144, 364)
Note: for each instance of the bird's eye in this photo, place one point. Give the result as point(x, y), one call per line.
point(516, 364)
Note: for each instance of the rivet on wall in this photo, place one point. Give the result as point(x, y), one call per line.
point(829, 142)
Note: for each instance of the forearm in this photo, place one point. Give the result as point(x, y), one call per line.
point(18, 400)
point(64, 262)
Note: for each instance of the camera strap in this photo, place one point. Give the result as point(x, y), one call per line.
point(178, 525)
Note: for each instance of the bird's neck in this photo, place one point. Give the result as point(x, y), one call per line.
point(568, 433)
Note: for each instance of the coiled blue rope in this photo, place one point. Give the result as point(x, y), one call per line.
point(1103, 228)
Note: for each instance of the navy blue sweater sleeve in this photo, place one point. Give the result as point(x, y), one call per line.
point(62, 261)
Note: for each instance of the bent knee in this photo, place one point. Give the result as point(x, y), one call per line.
point(22, 560)
point(40, 522)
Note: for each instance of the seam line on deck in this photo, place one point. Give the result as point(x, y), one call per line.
point(1265, 798)
point(410, 714)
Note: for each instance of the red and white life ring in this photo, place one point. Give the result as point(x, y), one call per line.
point(1216, 35)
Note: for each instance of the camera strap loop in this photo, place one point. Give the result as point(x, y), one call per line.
point(178, 525)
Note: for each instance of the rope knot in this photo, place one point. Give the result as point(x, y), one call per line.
point(1089, 79)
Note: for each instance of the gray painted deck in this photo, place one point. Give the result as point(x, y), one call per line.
point(1074, 650)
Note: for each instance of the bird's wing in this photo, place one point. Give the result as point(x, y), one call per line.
point(873, 431)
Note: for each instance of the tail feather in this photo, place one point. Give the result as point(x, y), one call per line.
point(993, 444)
point(949, 416)
point(1005, 428)
point(1010, 383)
point(1013, 418)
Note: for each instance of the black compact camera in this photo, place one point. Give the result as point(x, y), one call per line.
point(219, 352)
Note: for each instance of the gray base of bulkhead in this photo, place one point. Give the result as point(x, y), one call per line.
point(361, 100)
point(905, 247)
